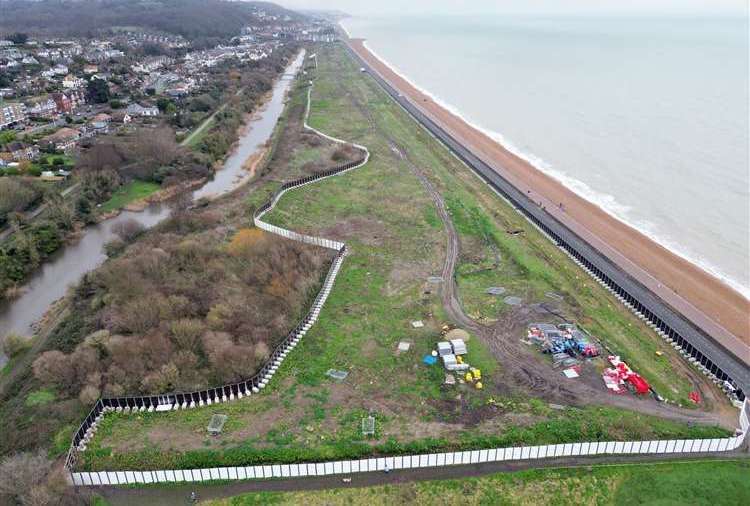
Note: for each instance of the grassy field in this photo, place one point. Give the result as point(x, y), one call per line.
point(130, 192)
point(397, 242)
point(689, 483)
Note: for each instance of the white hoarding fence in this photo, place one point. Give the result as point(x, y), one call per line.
point(346, 467)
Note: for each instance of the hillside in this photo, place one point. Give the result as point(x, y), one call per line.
point(189, 18)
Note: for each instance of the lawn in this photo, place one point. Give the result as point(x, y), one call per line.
point(130, 192)
point(396, 244)
point(678, 483)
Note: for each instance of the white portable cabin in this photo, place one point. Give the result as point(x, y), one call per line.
point(444, 348)
point(459, 346)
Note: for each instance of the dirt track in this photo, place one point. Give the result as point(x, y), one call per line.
point(709, 303)
point(521, 368)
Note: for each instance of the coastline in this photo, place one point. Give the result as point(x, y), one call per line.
point(605, 201)
point(707, 301)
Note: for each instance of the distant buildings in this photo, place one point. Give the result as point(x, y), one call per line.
point(21, 151)
point(11, 113)
point(139, 110)
point(64, 139)
point(151, 64)
point(41, 107)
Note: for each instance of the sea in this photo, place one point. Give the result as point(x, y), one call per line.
point(646, 117)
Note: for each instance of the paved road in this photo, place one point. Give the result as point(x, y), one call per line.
point(179, 494)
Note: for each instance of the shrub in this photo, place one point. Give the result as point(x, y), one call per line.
point(33, 479)
point(187, 333)
point(89, 395)
point(14, 344)
point(53, 368)
point(128, 230)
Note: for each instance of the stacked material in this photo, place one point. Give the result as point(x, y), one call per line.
point(613, 381)
point(451, 354)
point(563, 339)
point(444, 348)
point(623, 373)
point(459, 346)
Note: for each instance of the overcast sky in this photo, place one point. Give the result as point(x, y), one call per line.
point(701, 7)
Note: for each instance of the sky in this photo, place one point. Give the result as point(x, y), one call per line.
point(536, 7)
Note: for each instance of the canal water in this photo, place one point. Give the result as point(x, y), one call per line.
point(68, 265)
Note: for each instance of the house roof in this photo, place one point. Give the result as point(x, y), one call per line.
point(64, 133)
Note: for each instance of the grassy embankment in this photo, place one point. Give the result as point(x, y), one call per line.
point(688, 483)
point(397, 242)
point(128, 193)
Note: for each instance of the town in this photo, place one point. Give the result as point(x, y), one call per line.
point(90, 124)
point(57, 95)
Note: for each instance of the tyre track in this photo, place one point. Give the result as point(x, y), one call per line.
point(519, 365)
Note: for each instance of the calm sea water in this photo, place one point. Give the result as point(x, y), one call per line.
point(648, 118)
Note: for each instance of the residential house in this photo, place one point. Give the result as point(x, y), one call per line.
point(41, 107)
point(11, 113)
point(64, 139)
point(90, 69)
point(113, 53)
point(71, 82)
point(59, 70)
point(139, 110)
point(103, 117)
point(30, 60)
point(99, 127)
point(21, 151)
point(63, 103)
point(151, 64)
point(122, 117)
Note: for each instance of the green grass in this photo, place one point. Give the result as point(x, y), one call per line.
point(194, 137)
point(669, 483)
point(281, 443)
point(130, 192)
point(396, 241)
point(40, 397)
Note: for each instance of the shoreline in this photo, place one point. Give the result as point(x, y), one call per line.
point(704, 299)
point(581, 188)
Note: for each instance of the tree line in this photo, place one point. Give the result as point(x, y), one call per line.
point(201, 21)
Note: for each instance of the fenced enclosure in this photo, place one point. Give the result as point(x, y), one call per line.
point(252, 385)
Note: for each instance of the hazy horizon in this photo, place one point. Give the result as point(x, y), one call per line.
point(526, 7)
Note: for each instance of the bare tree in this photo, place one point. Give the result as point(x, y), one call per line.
point(128, 230)
point(102, 155)
point(30, 479)
point(155, 148)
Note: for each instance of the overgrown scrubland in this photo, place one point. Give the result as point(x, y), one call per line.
point(179, 312)
point(197, 301)
point(396, 247)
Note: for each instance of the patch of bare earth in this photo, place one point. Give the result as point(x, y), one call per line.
point(366, 230)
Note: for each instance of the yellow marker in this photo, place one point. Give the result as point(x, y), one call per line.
point(659, 353)
point(478, 385)
point(478, 374)
point(469, 377)
point(459, 359)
